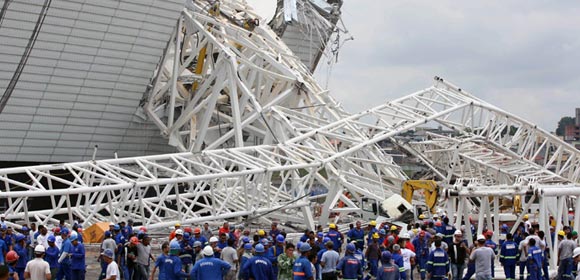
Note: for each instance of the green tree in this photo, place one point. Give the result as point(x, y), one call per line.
point(565, 121)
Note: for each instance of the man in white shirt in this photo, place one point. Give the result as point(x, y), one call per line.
point(112, 267)
point(42, 236)
point(38, 268)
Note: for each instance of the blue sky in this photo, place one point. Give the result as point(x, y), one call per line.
point(521, 56)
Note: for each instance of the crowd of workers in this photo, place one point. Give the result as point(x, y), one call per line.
point(430, 249)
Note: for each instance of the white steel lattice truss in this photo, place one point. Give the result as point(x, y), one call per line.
point(231, 86)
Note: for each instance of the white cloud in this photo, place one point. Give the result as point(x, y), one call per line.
point(521, 56)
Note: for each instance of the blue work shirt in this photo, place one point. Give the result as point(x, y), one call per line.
point(78, 257)
point(258, 267)
point(389, 272)
point(159, 262)
point(336, 238)
point(22, 254)
point(51, 256)
point(66, 247)
point(209, 268)
point(172, 268)
point(535, 256)
point(302, 269)
point(398, 260)
point(357, 235)
point(3, 250)
point(438, 263)
point(350, 266)
point(509, 253)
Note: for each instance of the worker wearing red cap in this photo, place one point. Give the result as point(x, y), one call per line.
point(492, 245)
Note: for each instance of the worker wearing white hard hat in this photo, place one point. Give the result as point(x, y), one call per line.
point(209, 267)
point(38, 268)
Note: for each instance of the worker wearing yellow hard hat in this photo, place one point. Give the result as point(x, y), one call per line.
point(421, 217)
point(332, 226)
point(526, 217)
point(394, 228)
point(261, 232)
point(376, 235)
point(373, 223)
point(561, 233)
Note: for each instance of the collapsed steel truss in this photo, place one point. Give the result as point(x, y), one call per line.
point(258, 136)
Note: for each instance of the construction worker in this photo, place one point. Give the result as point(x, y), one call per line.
point(77, 258)
point(275, 251)
point(335, 236)
point(421, 244)
point(302, 269)
point(448, 231)
point(438, 263)
point(492, 245)
point(357, 234)
point(172, 266)
point(457, 252)
point(259, 267)
point(372, 255)
point(483, 257)
point(349, 267)
point(388, 270)
point(64, 258)
point(209, 268)
point(372, 228)
point(576, 256)
point(22, 251)
point(38, 268)
point(11, 260)
point(397, 259)
point(565, 251)
point(508, 257)
point(51, 256)
point(534, 261)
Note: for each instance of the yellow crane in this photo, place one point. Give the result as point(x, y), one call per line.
point(430, 190)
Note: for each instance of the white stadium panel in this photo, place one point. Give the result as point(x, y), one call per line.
point(84, 79)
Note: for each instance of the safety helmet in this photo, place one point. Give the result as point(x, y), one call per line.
point(526, 216)
point(382, 232)
point(179, 232)
point(12, 256)
point(261, 232)
point(394, 227)
point(177, 224)
point(458, 232)
point(196, 230)
point(143, 229)
point(561, 233)
point(117, 227)
point(73, 237)
point(350, 247)
point(280, 238)
point(332, 226)
point(574, 233)
point(438, 224)
point(19, 237)
point(373, 223)
point(260, 248)
point(186, 235)
point(480, 237)
point(576, 252)
point(39, 249)
point(264, 241)
point(208, 251)
point(24, 229)
point(299, 244)
point(405, 235)
point(187, 230)
point(134, 240)
point(51, 238)
point(213, 239)
point(304, 248)
point(245, 239)
point(174, 245)
point(421, 216)
point(376, 235)
point(386, 256)
point(248, 246)
point(326, 239)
